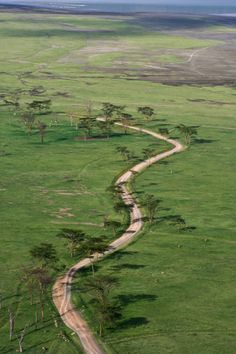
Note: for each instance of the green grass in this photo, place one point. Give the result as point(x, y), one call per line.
point(189, 282)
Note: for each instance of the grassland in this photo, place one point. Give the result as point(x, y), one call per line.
point(176, 288)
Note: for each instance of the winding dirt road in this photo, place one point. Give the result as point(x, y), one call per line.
point(62, 288)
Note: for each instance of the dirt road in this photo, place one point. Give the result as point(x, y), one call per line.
point(62, 288)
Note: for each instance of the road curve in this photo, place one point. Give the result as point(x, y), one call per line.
point(62, 288)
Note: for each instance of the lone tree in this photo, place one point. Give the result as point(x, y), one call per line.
point(146, 111)
point(42, 130)
point(45, 254)
point(151, 204)
point(73, 238)
point(188, 132)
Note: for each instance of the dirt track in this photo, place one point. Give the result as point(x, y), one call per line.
point(62, 288)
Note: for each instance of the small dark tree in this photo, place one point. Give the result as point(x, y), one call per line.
point(108, 110)
point(124, 151)
point(146, 111)
point(106, 127)
point(188, 132)
point(100, 288)
point(148, 153)
point(43, 280)
point(164, 131)
point(126, 120)
point(45, 254)
point(151, 204)
point(93, 247)
point(73, 237)
point(28, 119)
point(42, 130)
point(112, 225)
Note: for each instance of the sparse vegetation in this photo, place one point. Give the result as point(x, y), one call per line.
point(175, 282)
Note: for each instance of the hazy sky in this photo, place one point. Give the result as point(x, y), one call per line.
point(175, 2)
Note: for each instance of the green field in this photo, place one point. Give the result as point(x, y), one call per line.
point(176, 288)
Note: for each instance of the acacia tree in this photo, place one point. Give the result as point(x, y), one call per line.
point(151, 204)
point(42, 130)
point(164, 131)
point(87, 123)
point(124, 151)
point(45, 254)
point(87, 120)
point(188, 132)
point(112, 225)
point(29, 280)
point(92, 248)
point(148, 153)
point(108, 109)
point(126, 119)
point(28, 119)
point(43, 279)
point(73, 237)
point(106, 127)
point(107, 311)
point(146, 111)
point(121, 208)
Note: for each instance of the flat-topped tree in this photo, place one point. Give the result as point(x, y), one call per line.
point(146, 111)
point(108, 109)
point(45, 254)
point(73, 238)
point(92, 247)
point(188, 132)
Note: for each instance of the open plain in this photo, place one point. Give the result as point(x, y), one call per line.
point(175, 287)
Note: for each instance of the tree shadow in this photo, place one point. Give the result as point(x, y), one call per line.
point(203, 141)
point(133, 322)
point(127, 266)
point(118, 255)
point(125, 300)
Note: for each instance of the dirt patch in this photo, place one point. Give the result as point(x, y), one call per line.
point(63, 213)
